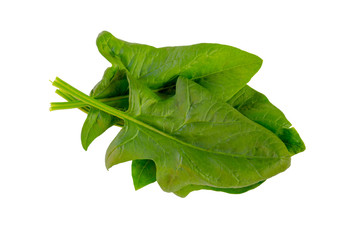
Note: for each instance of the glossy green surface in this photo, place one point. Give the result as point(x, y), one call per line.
point(221, 69)
point(190, 121)
point(257, 108)
point(200, 140)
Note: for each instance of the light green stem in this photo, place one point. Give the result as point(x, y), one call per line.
point(70, 99)
point(67, 88)
point(75, 103)
point(117, 113)
point(79, 104)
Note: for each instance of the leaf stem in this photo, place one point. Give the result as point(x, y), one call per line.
point(79, 104)
point(69, 98)
point(67, 88)
point(120, 114)
point(72, 101)
point(75, 103)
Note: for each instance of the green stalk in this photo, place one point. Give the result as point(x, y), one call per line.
point(65, 87)
point(117, 113)
point(64, 95)
point(75, 103)
point(67, 105)
point(70, 99)
point(78, 104)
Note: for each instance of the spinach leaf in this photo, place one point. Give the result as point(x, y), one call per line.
point(144, 173)
point(198, 124)
point(198, 140)
point(249, 102)
point(193, 138)
point(222, 69)
point(257, 108)
point(96, 123)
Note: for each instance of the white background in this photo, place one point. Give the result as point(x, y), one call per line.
point(50, 188)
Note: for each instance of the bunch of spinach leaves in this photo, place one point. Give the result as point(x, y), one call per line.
point(189, 120)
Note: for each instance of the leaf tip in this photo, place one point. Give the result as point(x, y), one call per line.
point(108, 166)
point(84, 144)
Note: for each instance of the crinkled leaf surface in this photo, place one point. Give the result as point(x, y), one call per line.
point(244, 100)
point(222, 69)
point(196, 139)
point(249, 102)
point(144, 173)
point(257, 108)
point(113, 83)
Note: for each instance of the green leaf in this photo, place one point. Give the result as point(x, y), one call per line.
point(195, 139)
point(182, 124)
point(96, 123)
point(222, 69)
point(113, 83)
point(190, 188)
point(143, 172)
point(259, 109)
